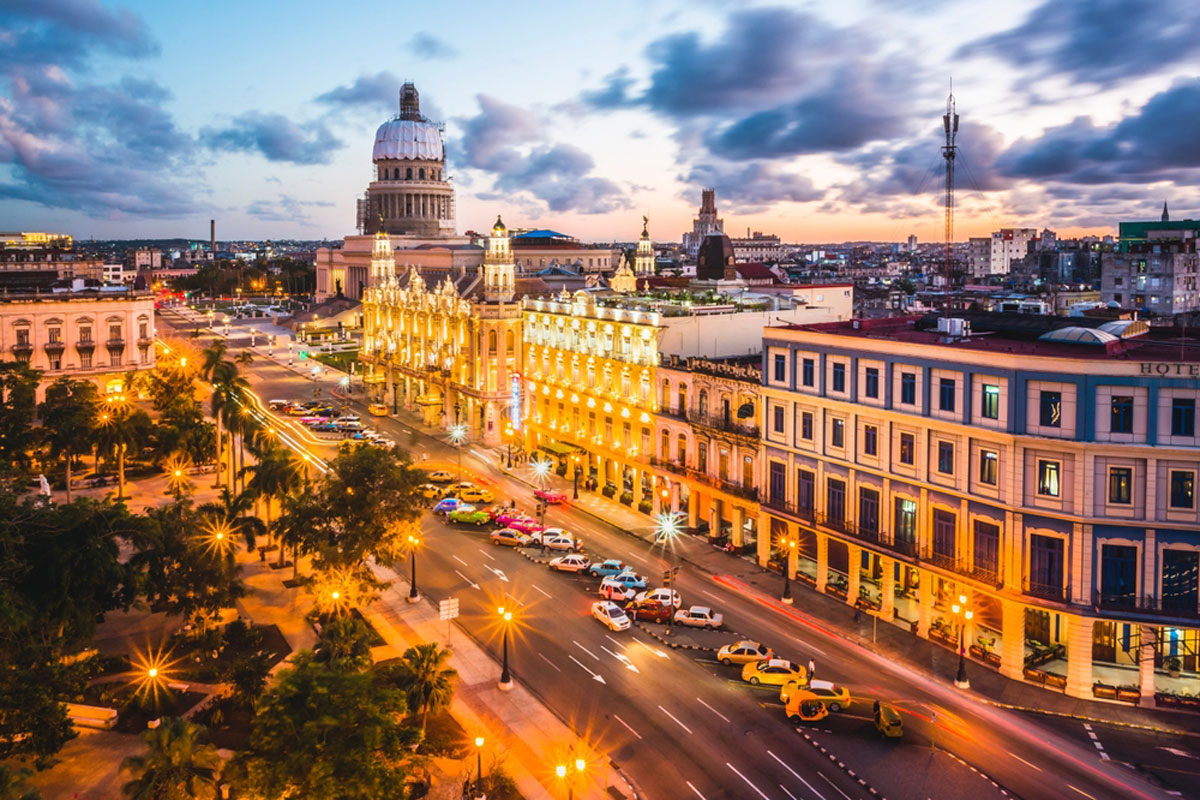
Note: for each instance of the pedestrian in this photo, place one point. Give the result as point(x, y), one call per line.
point(812, 670)
point(857, 614)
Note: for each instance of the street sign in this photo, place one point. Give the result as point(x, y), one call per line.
point(448, 609)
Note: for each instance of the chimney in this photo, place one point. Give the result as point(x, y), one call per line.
point(212, 237)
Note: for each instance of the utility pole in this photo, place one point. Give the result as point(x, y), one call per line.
point(949, 151)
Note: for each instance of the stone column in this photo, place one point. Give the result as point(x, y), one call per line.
point(674, 494)
point(887, 587)
point(1079, 656)
point(822, 561)
point(853, 573)
point(924, 604)
point(739, 526)
point(1149, 640)
point(638, 494)
point(693, 509)
point(1012, 640)
point(659, 485)
point(716, 511)
point(763, 550)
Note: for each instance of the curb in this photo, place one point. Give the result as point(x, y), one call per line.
point(1003, 792)
point(841, 764)
point(673, 645)
point(1092, 720)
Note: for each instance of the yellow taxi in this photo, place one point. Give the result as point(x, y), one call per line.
point(429, 491)
point(837, 698)
point(476, 494)
point(773, 672)
point(377, 410)
point(744, 652)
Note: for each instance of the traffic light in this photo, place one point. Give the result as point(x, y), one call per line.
point(303, 354)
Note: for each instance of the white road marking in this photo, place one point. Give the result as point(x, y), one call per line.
point(635, 733)
point(474, 585)
point(499, 573)
point(834, 785)
point(1175, 751)
point(747, 780)
point(677, 722)
point(710, 708)
point(486, 553)
point(1026, 763)
point(710, 594)
point(812, 647)
point(595, 677)
point(797, 774)
point(693, 788)
point(478, 454)
point(654, 650)
point(614, 641)
point(459, 560)
point(537, 588)
point(1081, 791)
point(789, 794)
point(548, 661)
point(584, 649)
point(623, 659)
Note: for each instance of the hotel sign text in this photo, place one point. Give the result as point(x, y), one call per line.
point(1171, 368)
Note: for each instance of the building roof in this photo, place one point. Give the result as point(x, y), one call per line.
point(408, 139)
point(542, 233)
point(757, 272)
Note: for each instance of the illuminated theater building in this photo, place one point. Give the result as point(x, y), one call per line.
point(1045, 472)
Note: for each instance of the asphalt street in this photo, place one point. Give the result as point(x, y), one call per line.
point(681, 725)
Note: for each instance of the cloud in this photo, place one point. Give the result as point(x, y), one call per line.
point(490, 138)
point(373, 91)
point(284, 208)
point(426, 45)
point(275, 137)
point(41, 32)
point(753, 186)
point(613, 93)
point(1100, 42)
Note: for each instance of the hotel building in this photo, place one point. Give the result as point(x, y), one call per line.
point(1045, 472)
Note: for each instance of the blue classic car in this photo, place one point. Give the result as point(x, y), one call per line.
point(603, 569)
point(446, 505)
point(628, 580)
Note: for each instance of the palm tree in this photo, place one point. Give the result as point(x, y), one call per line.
point(243, 360)
point(345, 644)
point(67, 414)
point(120, 429)
point(212, 356)
point(302, 521)
point(228, 389)
point(425, 679)
point(276, 472)
point(234, 509)
point(176, 767)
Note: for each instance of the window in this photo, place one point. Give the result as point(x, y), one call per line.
point(1120, 485)
point(1118, 575)
point(1051, 410)
point(776, 482)
point(908, 388)
point(908, 449)
point(1046, 565)
point(780, 367)
point(806, 492)
point(1048, 478)
point(871, 386)
point(987, 548)
point(1180, 577)
point(943, 533)
point(988, 467)
point(1183, 416)
point(1121, 415)
point(778, 419)
point(837, 433)
point(946, 394)
point(85, 333)
point(906, 521)
point(23, 336)
point(806, 425)
point(990, 408)
point(808, 372)
point(868, 510)
point(143, 330)
point(85, 360)
point(835, 500)
point(54, 335)
point(945, 458)
point(839, 377)
point(1183, 489)
point(870, 440)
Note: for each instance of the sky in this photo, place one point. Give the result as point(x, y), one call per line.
point(817, 121)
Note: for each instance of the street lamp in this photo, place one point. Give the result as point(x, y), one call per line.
point(665, 534)
point(575, 476)
point(479, 759)
point(960, 610)
point(506, 681)
point(508, 432)
point(789, 547)
point(413, 543)
point(458, 435)
point(561, 772)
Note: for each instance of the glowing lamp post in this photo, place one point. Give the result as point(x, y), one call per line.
point(506, 681)
point(960, 610)
point(458, 435)
point(479, 759)
point(413, 594)
point(666, 533)
point(789, 547)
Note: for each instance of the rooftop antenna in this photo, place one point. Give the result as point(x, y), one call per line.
point(949, 151)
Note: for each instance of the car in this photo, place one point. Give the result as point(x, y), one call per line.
point(744, 652)
point(605, 568)
point(649, 610)
point(441, 476)
point(551, 496)
point(507, 515)
point(699, 617)
point(348, 419)
point(275, 405)
point(509, 538)
point(476, 494)
point(665, 595)
point(560, 542)
point(460, 486)
point(296, 411)
point(773, 672)
point(525, 524)
point(572, 562)
point(377, 410)
point(628, 579)
point(429, 491)
point(827, 692)
point(544, 532)
point(381, 442)
point(807, 711)
point(469, 515)
point(445, 505)
point(615, 591)
point(611, 615)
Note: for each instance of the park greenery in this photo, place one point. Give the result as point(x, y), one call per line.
point(331, 724)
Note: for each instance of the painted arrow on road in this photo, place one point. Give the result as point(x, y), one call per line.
point(654, 650)
point(595, 677)
point(474, 585)
point(499, 573)
point(622, 658)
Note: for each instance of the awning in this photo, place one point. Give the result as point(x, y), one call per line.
point(558, 448)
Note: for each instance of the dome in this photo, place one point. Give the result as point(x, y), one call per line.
point(1077, 335)
point(408, 139)
point(498, 229)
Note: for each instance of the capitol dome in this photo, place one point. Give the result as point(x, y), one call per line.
point(409, 135)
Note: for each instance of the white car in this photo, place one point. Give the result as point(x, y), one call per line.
point(570, 563)
point(547, 533)
point(561, 543)
point(661, 595)
point(611, 590)
point(699, 617)
point(611, 615)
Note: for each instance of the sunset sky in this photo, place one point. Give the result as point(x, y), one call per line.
point(817, 121)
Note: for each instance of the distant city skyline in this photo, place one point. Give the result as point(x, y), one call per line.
point(817, 122)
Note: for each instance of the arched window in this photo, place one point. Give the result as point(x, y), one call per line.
point(702, 403)
point(408, 173)
point(681, 410)
point(508, 341)
point(421, 173)
point(681, 455)
point(491, 341)
point(666, 394)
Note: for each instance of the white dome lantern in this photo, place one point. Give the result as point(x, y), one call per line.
point(408, 139)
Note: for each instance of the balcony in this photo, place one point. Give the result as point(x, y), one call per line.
point(54, 346)
point(666, 411)
point(836, 523)
point(117, 341)
point(1046, 591)
point(85, 344)
point(22, 348)
point(785, 506)
point(736, 489)
point(722, 423)
point(1148, 604)
point(988, 575)
point(943, 560)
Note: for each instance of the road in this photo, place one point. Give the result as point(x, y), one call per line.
point(682, 726)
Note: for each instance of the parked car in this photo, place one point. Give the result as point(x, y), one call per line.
point(615, 592)
point(275, 405)
point(570, 563)
point(699, 617)
point(649, 610)
point(627, 579)
point(507, 515)
point(377, 410)
point(609, 566)
point(611, 615)
point(665, 595)
point(441, 476)
point(744, 652)
point(827, 692)
point(476, 494)
point(429, 491)
point(560, 542)
point(525, 524)
point(470, 515)
point(551, 496)
point(460, 486)
point(545, 532)
point(445, 505)
point(775, 672)
point(509, 538)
